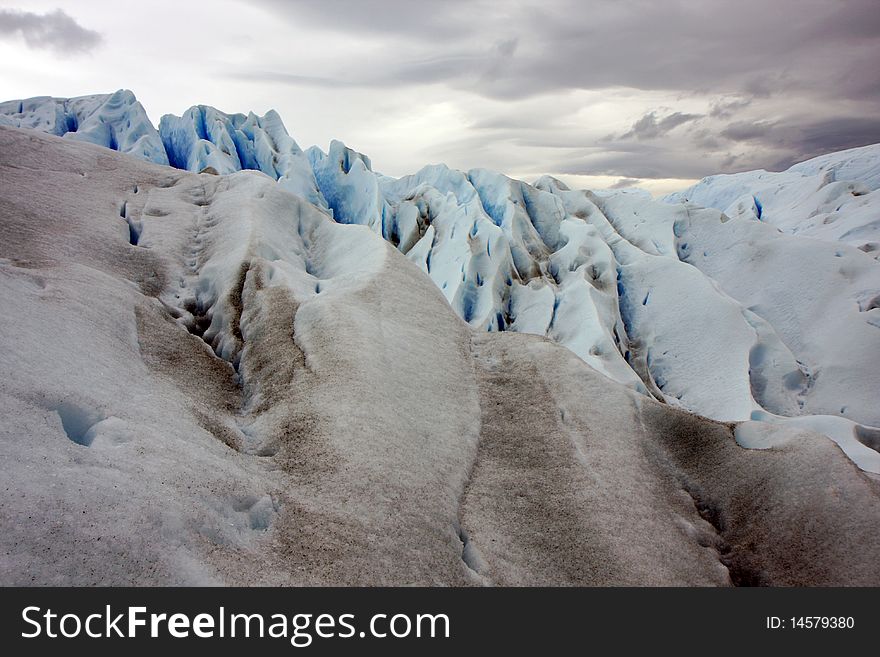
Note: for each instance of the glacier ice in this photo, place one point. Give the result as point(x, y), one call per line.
point(117, 121)
point(746, 294)
point(253, 393)
point(205, 138)
point(832, 197)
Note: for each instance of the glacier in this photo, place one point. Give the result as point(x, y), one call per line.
point(580, 268)
point(832, 197)
point(205, 138)
point(116, 121)
point(423, 375)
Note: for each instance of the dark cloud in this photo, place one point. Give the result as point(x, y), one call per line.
point(803, 141)
point(649, 127)
point(749, 47)
point(741, 146)
point(746, 130)
point(834, 134)
point(54, 31)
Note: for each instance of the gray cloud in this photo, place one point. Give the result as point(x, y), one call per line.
point(724, 108)
point(54, 31)
point(640, 163)
point(649, 127)
point(290, 78)
point(746, 130)
point(624, 183)
point(720, 69)
point(403, 19)
point(805, 140)
point(705, 140)
point(467, 67)
point(833, 134)
point(740, 146)
point(746, 47)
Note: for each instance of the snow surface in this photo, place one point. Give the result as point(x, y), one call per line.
point(208, 381)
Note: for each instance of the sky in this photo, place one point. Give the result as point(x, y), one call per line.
point(599, 93)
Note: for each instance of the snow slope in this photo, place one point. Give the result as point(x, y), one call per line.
point(206, 380)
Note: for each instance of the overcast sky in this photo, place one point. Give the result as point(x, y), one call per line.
point(654, 93)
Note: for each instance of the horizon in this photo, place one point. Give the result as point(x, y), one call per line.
point(497, 89)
